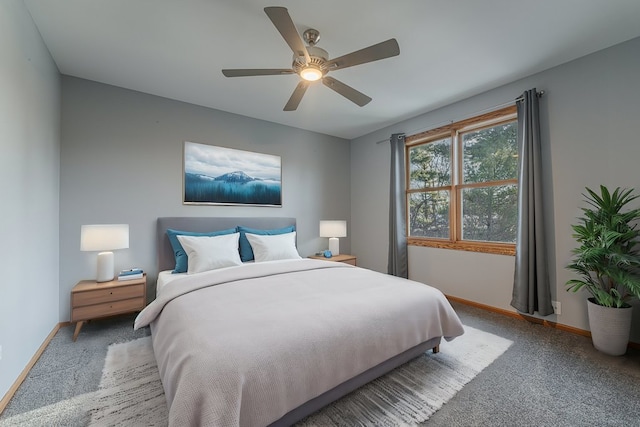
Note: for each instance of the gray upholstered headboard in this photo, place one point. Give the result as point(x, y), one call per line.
point(166, 260)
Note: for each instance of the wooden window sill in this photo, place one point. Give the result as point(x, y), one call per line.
point(489, 248)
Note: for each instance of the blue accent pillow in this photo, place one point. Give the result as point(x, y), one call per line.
point(246, 253)
point(182, 260)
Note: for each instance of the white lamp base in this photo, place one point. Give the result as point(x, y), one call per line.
point(106, 270)
point(334, 245)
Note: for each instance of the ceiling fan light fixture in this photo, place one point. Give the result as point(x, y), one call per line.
point(311, 73)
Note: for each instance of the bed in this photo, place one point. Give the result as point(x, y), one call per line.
point(268, 343)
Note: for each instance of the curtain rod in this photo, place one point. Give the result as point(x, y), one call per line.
point(486, 110)
point(521, 97)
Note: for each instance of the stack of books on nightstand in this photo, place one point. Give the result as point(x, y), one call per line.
point(131, 274)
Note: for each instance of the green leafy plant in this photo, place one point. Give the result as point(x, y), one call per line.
point(607, 259)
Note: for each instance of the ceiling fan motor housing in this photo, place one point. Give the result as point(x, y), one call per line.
point(319, 58)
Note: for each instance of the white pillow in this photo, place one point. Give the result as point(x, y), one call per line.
point(210, 252)
point(274, 247)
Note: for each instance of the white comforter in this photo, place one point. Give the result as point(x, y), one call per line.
point(244, 346)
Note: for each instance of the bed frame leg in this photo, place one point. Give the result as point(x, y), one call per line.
point(436, 349)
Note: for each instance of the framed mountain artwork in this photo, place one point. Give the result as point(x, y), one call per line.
point(226, 176)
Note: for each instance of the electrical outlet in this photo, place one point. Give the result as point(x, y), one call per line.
point(557, 307)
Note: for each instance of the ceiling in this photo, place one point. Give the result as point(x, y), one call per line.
point(449, 50)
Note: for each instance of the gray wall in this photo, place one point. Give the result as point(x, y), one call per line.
point(29, 176)
point(121, 162)
point(590, 127)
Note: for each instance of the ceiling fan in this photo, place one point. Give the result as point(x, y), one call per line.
point(312, 63)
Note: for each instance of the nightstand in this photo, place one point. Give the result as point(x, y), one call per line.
point(347, 259)
point(93, 300)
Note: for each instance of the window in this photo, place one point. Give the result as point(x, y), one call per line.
point(462, 184)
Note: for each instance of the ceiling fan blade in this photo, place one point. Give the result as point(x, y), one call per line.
point(283, 22)
point(347, 91)
point(257, 72)
point(372, 53)
point(297, 95)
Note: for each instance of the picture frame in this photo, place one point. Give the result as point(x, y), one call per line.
point(214, 175)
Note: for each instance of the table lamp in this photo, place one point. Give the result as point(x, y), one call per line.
point(104, 238)
point(333, 230)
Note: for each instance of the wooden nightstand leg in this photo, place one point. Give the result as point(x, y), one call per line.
point(77, 331)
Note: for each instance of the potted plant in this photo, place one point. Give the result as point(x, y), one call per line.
point(608, 264)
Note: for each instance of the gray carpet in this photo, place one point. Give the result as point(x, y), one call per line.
point(547, 377)
point(67, 369)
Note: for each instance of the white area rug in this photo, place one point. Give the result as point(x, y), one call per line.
point(68, 413)
point(131, 392)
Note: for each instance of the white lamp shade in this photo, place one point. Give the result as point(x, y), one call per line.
point(333, 228)
point(104, 237)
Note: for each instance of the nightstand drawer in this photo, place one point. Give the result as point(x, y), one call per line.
point(99, 296)
point(349, 261)
point(107, 309)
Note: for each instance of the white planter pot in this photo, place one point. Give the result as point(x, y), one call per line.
point(610, 328)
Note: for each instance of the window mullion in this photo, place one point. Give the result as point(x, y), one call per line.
point(455, 178)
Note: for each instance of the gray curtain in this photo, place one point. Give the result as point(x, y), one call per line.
point(531, 291)
point(398, 262)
